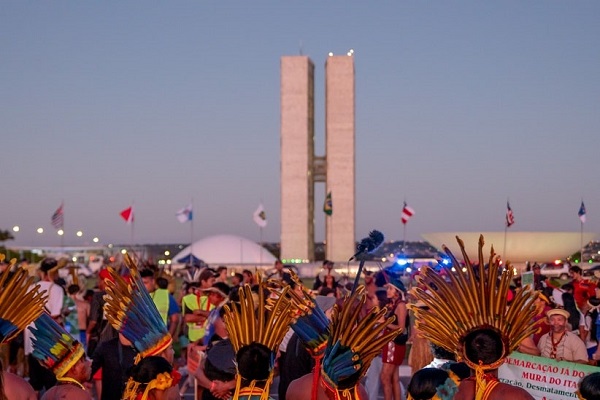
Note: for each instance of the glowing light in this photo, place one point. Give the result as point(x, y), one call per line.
point(40, 230)
point(79, 233)
point(60, 232)
point(408, 269)
point(123, 251)
point(167, 252)
point(95, 240)
point(402, 261)
point(16, 228)
point(330, 54)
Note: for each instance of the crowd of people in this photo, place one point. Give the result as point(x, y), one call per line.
point(139, 328)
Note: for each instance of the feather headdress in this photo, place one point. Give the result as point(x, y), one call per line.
point(264, 323)
point(54, 347)
point(131, 311)
point(353, 344)
point(474, 299)
point(20, 301)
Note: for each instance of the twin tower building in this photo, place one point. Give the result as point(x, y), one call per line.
point(301, 169)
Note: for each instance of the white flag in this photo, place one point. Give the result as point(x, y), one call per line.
point(185, 214)
point(260, 217)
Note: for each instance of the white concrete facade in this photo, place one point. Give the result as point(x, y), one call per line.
point(340, 143)
point(297, 157)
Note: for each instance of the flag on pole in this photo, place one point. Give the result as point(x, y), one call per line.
point(328, 205)
point(407, 212)
point(58, 217)
point(185, 214)
point(510, 217)
point(581, 212)
point(127, 214)
point(260, 217)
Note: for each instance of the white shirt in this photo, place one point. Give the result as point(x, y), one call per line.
point(54, 306)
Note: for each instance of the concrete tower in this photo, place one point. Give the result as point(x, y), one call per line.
point(339, 147)
point(297, 158)
point(300, 168)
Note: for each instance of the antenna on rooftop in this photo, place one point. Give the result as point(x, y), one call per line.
point(301, 48)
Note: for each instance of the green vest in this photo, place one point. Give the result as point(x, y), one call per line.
point(192, 302)
point(161, 301)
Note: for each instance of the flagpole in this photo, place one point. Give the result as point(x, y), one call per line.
point(581, 244)
point(261, 245)
point(191, 224)
point(62, 227)
point(504, 249)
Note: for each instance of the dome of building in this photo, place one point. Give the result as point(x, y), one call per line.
point(519, 247)
point(226, 250)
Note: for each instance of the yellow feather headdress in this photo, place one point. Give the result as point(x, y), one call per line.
point(265, 323)
point(353, 344)
point(20, 301)
point(474, 298)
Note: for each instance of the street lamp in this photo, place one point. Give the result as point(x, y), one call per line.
point(95, 240)
point(40, 230)
point(16, 228)
point(79, 233)
point(60, 232)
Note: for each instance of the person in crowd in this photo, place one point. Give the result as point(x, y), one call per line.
point(163, 300)
point(583, 289)
point(540, 282)
point(440, 355)
point(420, 350)
point(542, 306)
point(115, 357)
point(58, 351)
point(256, 348)
point(429, 382)
point(153, 378)
point(222, 275)
point(352, 345)
point(298, 361)
point(98, 329)
point(41, 377)
point(327, 269)
point(459, 319)
point(589, 387)
point(248, 277)
point(130, 310)
point(329, 287)
point(280, 272)
point(590, 331)
point(82, 308)
point(236, 280)
point(20, 304)
point(560, 344)
point(197, 306)
point(394, 351)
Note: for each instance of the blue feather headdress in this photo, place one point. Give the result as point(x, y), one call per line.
point(53, 347)
point(131, 311)
point(20, 302)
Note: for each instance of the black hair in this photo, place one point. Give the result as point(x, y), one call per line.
point(440, 352)
point(149, 368)
point(162, 282)
point(576, 269)
point(424, 382)
point(239, 276)
point(223, 287)
point(254, 362)
point(147, 273)
point(483, 345)
point(73, 289)
point(234, 295)
point(594, 302)
point(221, 268)
point(571, 307)
point(247, 272)
point(589, 387)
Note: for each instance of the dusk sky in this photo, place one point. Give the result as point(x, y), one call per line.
point(459, 106)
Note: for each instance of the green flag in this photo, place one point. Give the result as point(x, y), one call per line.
point(328, 205)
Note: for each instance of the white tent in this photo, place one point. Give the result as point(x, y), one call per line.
point(227, 250)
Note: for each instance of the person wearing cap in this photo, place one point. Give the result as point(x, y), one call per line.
point(196, 306)
point(559, 343)
point(163, 300)
point(393, 353)
point(40, 377)
point(58, 351)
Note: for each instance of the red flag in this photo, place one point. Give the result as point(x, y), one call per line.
point(58, 217)
point(127, 215)
point(407, 212)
